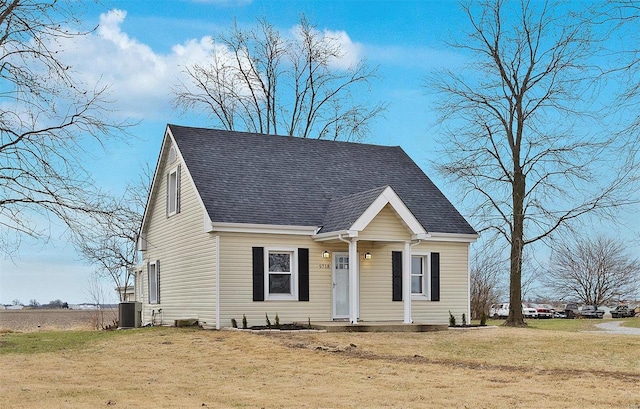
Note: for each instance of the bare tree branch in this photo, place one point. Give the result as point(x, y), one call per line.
point(260, 81)
point(46, 115)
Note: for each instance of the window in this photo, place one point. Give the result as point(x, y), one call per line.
point(417, 275)
point(153, 270)
point(425, 276)
point(280, 283)
point(173, 192)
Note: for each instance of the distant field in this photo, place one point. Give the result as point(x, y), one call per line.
point(38, 320)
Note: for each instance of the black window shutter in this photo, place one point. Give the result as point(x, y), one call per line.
point(303, 274)
point(435, 276)
point(158, 280)
point(396, 273)
point(258, 273)
point(149, 282)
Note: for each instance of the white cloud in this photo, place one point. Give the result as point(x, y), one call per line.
point(353, 52)
point(139, 79)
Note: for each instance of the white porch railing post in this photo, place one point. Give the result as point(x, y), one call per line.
point(353, 281)
point(406, 282)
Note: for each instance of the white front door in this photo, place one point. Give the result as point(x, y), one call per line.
point(340, 285)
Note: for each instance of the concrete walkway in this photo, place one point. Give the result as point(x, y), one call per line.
point(613, 327)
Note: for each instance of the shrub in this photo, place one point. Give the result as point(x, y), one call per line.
point(483, 319)
point(464, 320)
point(266, 316)
point(244, 321)
point(234, 323)
point(277, 321)
point(452, 320)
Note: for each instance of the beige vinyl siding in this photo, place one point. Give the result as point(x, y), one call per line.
point(376, 284)
point(236, 280)
point(186, 254)
point(454, 284)
point(387, 225)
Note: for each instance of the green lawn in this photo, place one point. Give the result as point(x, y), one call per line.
point(557, 324)
point(631, 322)
point(50, 341)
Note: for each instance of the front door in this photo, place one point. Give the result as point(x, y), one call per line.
point(340, 285)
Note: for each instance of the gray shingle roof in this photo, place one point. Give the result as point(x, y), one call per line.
point(281, 180)
point(344, 211)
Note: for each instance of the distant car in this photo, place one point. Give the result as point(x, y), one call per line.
point(559, 314)
point(529, 312)
point(499, 310)
point(623, 311)
point(591, 311)
point(543, 310)
point(571, 310)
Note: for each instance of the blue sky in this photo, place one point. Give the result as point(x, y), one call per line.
point(140, 47)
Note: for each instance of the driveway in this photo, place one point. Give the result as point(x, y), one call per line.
point(613, 327)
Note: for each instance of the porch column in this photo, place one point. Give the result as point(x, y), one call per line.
point(406, 282)
point(353, 281)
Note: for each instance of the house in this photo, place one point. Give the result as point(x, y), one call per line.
point(126, 293)
point(247, 224)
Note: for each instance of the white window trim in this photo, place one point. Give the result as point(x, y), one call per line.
point(426, 277)
point(173, 199)
point(153, 300)
point(294, 274)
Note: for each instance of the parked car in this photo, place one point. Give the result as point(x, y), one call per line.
point(623, 311)
point(591, 311)
point(559, 314)
point(529, 312)
point(543, 310)
point(499, 310)
point(571, 310)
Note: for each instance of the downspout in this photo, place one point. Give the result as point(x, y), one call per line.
point(406, 281)
point(353, 278)
point(469, 282)
point(217, 281)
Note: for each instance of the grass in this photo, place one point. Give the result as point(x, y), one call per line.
point(50, 341)
point(631, 322)
point(494, 367)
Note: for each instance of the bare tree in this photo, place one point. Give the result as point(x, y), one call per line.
point(485, 272)
point(45, 115)
point(593, 271)
point(107, 238)
point(259, 81)
point(520, 122)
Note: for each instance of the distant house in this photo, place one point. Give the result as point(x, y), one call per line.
point(15, 307)
point(126, 293)
point(246, 224)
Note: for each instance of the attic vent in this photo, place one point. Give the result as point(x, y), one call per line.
point(172, 154)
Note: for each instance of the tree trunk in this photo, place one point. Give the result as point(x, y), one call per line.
point(515, 318)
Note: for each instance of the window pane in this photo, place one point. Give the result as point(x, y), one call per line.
point(416, 265)
point(416, 284)
point(280, 262)
point(173, 191)
point(280, 283)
